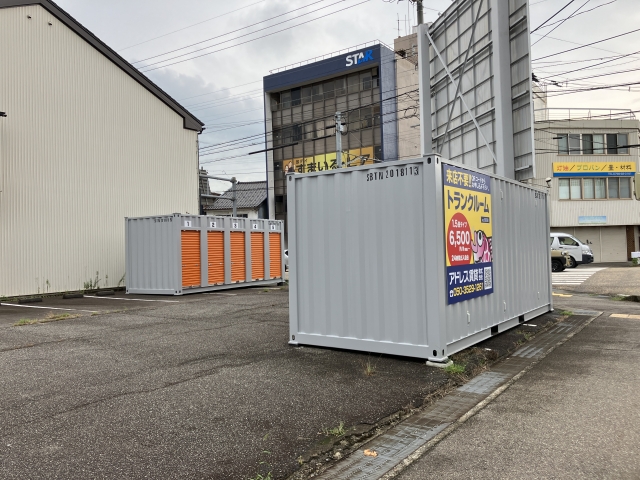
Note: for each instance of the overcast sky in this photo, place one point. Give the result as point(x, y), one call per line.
point(223, 88)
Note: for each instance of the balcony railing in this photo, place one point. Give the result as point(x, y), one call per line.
point(556, 114)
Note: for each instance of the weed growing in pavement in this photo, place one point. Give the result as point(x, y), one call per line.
point(455, 369)
point(25, 321)
point(566, 313)
point(50, 317)
point(618, 298)
point(336, 432)
point(92, 284)
point(264, 466)
point(369, 367)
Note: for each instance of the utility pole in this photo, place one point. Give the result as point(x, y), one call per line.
point(419, 11)
point(339, 139)
point(233, 196)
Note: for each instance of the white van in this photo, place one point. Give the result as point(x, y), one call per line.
point(579, 252)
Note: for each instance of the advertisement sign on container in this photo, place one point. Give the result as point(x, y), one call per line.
point(468, 230)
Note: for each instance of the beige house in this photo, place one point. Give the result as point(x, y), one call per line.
point(87, 141)
point(588, 159)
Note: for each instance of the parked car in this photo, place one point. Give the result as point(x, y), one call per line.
point(579, 252)
point(559, 260)
point(286, 260)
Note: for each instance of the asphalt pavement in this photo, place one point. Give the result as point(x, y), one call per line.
point(575, 414)
point(613, 279)
point(201, 388)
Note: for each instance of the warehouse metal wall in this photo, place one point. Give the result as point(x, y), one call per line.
point(83, 146)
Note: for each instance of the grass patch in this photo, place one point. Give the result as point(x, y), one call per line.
point(369, 368)
point(455, 369)
point(336, 431)
point(25, 321)
point(50, 317)
point(618, 298)
point(566, 313)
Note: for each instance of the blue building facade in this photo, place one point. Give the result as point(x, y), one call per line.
point(300, 108)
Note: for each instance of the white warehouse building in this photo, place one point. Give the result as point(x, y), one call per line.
point(589, 158)
point(87, 140)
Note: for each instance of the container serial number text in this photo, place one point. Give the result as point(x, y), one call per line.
point(393, 173)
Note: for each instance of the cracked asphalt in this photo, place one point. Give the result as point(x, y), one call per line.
point(201, 388)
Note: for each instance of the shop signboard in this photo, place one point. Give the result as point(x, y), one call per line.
point(594, 169)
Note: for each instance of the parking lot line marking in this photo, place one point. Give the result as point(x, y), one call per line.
point(624, 315)
point(47, 308)
point(131, 299)
point(561, 295)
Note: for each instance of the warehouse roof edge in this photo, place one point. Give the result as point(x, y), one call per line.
point(190, 121)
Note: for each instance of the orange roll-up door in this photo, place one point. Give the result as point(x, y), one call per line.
point(215, 247)
point(275, 255)
point(190, 258)
point(238, 262)
point(257, 255)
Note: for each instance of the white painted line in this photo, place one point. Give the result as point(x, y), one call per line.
point(47, 308)
point(131, 299)
point(219, 293)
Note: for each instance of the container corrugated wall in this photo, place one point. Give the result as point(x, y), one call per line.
point(178, 254)
point(367, 264)
point(83, 146)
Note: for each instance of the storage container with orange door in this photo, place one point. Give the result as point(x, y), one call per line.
point(178, 254)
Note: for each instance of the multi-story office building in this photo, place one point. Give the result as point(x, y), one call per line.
point(589, 158)
point(300, 106)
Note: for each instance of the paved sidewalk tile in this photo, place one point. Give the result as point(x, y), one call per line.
point(403, 439)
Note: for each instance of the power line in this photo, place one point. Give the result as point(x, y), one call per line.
point(561, 23)
point(236, 30)
point(253, 39)
point(192, 25)
point(551, 18)
point(589, 44)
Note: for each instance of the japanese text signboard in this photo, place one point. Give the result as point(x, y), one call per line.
point(468, 230)
point(594, 169)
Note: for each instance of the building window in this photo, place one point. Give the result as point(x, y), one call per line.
point(329, 89)
point(285, 99)
point(622, 144)
point(588, 189)
point(601, 188)
point(316, 91)
point(593, 144)
point(574, 144)
point(563, 144)
point(598, 143)
point(306, 94)
point(587, 144)
point(295, 97)
point(612, 188)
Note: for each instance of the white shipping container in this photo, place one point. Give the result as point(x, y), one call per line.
point(179, 254)
point(419, 258)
